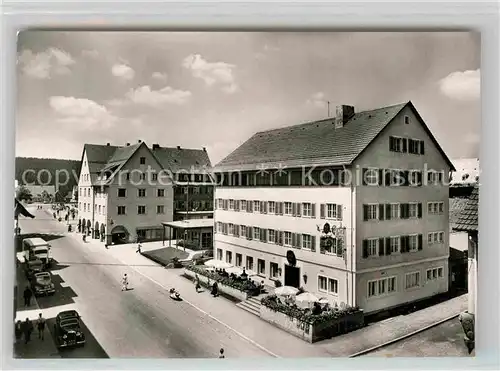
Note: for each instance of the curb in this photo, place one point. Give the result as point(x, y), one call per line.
point(387, 343)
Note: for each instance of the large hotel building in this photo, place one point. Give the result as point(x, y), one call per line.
point(353, 208)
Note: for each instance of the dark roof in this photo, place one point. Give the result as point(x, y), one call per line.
point(315, 143)
point(468, 219)
point(456, 206)
point(176, 159)
point(98, 156)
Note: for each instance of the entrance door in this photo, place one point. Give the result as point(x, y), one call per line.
point(292, 276)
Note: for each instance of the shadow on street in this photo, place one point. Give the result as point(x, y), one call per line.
point(62, 296)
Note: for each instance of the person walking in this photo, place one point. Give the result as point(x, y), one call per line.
point(18, 330)
point(40, 324)
point(221, 353)
point(138, 247)
point(125, 282)
point(197, 282)
point(27, 294)
point(27, 330)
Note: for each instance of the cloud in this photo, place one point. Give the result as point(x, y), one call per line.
point(212, 73)
point(462, 85)
point(81, 112)
point(93, 54)
point(317, 100)
point(123, 71)
point(45, 64)
point(144, 95)
point(159, 76)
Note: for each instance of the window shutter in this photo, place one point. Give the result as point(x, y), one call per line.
point(250, 232)
point(388, 246)
point(322, 211)
point(381, 210)
point(313, 243)
point(282, 206)
point(381, 250)
point(419, 179)
point(313, 210)
point(294, 209)
point(265, 207)
point(340, 247)
point(281, 238)
point(365, 212)
point(405, 145)
point(237, 205)
point(276, 237)
point(406, 177)
point(391, 144)
point(402, 211)
point(250, 203)
point(339, 212)
point(216, 203)
point(387, 178)
point(236, 230)
point(422, 147)
point(380, 177)
point(261, 207)
point(419, 210)
point(363, 176)
point(420, 242)
point(298, 209)
point(365, 249)
point(294, 240)
point(298, 241)
point(263, 235)
point(388, 212)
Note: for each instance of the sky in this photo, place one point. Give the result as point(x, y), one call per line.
point(216, 89)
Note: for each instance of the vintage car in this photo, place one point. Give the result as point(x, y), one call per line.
point(41, 284)
point(68, 330)
point(33, 266)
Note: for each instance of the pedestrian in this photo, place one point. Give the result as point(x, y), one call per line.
point(221, 353)
point(40, 324)
point(197, 283)
point(125, 282)
point(215, 290)
point(18, 330)
point(27, 296)
point(27, 330)
point(138, 248)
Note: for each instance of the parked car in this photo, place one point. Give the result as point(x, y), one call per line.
point(41, 284)
point(31, 267)
point(68, 330)
point(37, 248)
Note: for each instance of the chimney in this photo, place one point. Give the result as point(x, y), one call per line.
point(139, 141)
point(128, 144)
point(344, 114)
point(156, 146)
point(178, 147)
point(108, 144)
point(204, 149)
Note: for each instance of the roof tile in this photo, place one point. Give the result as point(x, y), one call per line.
point(468, 218)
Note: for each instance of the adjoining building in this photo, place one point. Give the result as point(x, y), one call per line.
point(127, 192)
point(352, 207)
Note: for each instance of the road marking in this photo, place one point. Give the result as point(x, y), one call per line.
point(209, 315)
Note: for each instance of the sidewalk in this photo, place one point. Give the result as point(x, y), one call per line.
point(271, 337)
point(36, 348)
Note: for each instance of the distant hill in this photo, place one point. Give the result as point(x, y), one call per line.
point(48, 171)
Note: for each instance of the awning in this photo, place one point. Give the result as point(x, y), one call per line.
point(119, 229)
point(190, 223)
point(19, 209)
point(149, 227)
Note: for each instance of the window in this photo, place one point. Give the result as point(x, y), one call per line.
point(412, 280)
point(185, 190)
point(322, 283)
point(261, 267)
point(394, 245)
point(372, 212)
point(231, 204)
point(122, 192)
point(219, 254)
point(271, 236)
point(154, 177)
point(395, 211)
point(239, 260)
point(243, 205)
point(306, 209)
point(160, 192)
point(435, 208)
point(333, 286)
point(413, 209)
point(104, 210)
point(143, 160)
point(274, 270)
point(143, 176)
point(306, 241)
point(141, 210)
point(249, 263)
point(220, 203)
point(381, 286)
point(272, 207)
point(330, 246)
point(413, 242)
point(160, 209)
point(141, 192)
point(288, 239)
point(256, 206)
point(372, 246)
point(391, 284)
point(243, 230)
point(99, 209)
point(440, 272)
point(229, 257)
point(288, 208)
point(441, 207)
point(435, 238)
point(219, 227)
point(231, 228)
point(121, 210)
point(407, 120)
point(371, 177)
point(372, 288)
point(256, 233)
point(196, 190)
point(331, 211)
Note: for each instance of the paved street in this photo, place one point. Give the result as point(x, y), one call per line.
point(444, 340)
point(143, 322)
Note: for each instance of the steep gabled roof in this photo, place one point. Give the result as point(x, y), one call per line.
point(97, 156)
point(317, 142)
point(467, 221)
point(176, 159)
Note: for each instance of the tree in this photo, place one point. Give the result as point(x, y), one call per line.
point(24, 194)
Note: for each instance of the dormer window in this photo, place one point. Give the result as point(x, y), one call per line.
point(465, 176)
